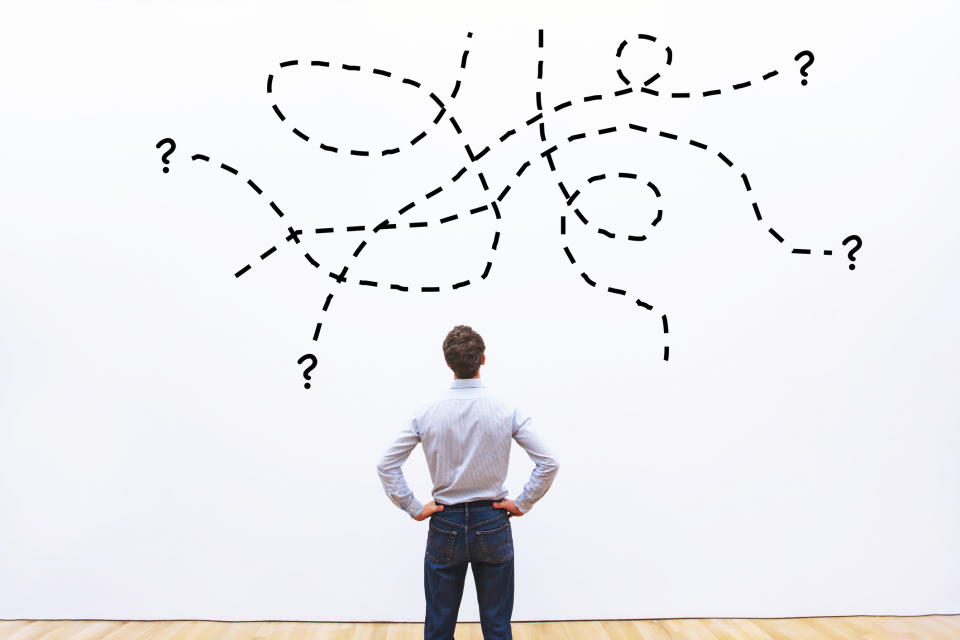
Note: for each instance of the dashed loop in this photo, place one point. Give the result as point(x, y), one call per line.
point(476, 154)
point(571, 199)
point(341, 277)
point(679, 94)
point(647, 38)
point(382, 75)
point(702, 147)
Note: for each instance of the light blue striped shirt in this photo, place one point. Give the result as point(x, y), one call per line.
point(466, 437)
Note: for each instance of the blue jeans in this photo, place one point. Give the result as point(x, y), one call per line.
point(469, 532)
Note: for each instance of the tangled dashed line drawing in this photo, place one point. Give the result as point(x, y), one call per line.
point(547, 158)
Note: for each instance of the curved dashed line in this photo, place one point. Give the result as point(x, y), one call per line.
point(492, 207)
point(625, 175)
point(684, 94)
point(539, 119)
point(643, 37)
point(721, 157)
point(341, 276)
point(623, 293)
point(568, 200)
point(474, 157)
point(374, 72)
point(293, 234)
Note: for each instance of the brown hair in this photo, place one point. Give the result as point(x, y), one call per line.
point(463, 350)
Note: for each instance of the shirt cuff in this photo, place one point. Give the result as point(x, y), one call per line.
point(519, 504)
point(414, 508)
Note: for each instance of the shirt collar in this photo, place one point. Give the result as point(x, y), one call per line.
point(467, 383)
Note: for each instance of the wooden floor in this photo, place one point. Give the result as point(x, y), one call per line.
point(933, 627)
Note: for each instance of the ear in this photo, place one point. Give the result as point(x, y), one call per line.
point(483, 359)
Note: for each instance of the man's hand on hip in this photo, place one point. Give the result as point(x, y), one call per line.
point(428, 510)
point(507, 504)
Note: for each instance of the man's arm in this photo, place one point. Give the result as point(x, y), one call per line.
point(546, 462)
point(391, 475)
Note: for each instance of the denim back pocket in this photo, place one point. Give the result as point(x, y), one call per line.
point(497, 544)
point(440, 544)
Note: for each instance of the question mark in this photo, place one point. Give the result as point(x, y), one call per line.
point(804, 66)
point(306, 373)
point(858, 243)
point(173, 145)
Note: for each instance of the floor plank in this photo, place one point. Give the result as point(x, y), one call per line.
point(934, 627)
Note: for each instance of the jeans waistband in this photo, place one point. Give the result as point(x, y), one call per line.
point(472, 503)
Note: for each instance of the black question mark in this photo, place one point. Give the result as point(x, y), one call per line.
point(804, 66)
point(858, 243)
point(173, 145)
point(306, 373)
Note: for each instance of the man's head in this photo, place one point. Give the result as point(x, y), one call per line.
point(463, 350)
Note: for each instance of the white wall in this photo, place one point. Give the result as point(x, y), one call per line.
point(796, 456)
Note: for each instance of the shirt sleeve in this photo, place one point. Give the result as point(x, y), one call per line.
point(391, 475)
point(546, 462)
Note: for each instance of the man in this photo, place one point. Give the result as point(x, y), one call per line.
point(466, 437)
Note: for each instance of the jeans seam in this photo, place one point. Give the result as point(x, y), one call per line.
point(489, 520)
point(450, 522)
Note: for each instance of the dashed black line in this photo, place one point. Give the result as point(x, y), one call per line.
point(341, 277)
point(696, 144)
point(624, 175)
point(294, 234)
point(539, 96)
point(493, 208)
point(548, 156)
point(619, 291)
point(651, 79)
point(376, 73)
point(680, 94)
